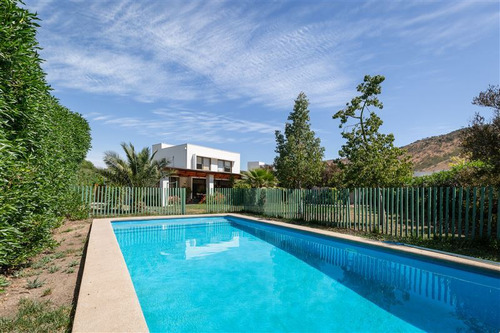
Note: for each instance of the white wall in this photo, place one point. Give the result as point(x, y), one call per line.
point(184, 156)
point(254, 165)
point(159, 146)
point(176, 155)
point(215, 154)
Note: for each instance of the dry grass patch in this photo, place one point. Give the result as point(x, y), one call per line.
point(39, 297)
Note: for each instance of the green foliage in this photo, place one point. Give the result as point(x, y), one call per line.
point(299, 161)
point(3, 283)
point(41, 142)
point(40, 317)
point(462, 174)
point(331, 175)
point(36, 283)
point(53, 269)
point(76, 209)
point(88, 174)
point(241, 184)
point(372, 160)
point(481, 140)
point(258, 178)
point(138, 170)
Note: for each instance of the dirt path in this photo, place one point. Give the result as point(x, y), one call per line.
point(52, 275)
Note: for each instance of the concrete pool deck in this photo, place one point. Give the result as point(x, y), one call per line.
point(107, 301)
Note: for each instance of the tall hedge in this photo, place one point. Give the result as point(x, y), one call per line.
point(42, 143)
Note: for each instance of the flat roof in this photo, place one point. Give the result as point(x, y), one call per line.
point(191, 144)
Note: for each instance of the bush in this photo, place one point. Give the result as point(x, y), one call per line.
point(76, 209)
point(41, 142)
point(462, 173)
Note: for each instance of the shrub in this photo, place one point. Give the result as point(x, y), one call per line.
point(462, 173)
point(36, 283)
point(76, 209)
point(41, 142)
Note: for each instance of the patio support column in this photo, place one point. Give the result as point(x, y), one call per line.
point(164, 187)
point(210, 184)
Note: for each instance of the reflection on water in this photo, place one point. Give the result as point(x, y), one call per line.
point(429, 296)
point(215, 237)
point(393, 282)
point(194, 250)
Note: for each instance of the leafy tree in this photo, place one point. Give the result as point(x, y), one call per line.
point(299, 160)
point(42, 143)
point(481, 140)
point(258, 178)
point(88, 174)
point(139, 169)
point(461, 174)
point(372, 158)
point(331, 175)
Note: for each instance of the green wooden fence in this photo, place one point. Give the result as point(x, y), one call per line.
point(426, 212)
point(104, 201)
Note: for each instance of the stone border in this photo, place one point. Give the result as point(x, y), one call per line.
point(107, 301)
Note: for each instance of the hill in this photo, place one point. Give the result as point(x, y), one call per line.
point(436, 152)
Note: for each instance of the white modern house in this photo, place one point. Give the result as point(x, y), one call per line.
point(202, 169)
point(255, 165)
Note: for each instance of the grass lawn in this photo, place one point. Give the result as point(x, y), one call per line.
point(192, 209)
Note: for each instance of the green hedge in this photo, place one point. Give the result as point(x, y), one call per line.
point(41, 142)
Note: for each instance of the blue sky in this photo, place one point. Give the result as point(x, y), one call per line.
point(225, 73)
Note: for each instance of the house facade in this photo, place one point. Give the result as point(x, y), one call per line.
point(255, 165)
point(200, 169)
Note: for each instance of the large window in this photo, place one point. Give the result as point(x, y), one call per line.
point(202, 163)
point(224, 166)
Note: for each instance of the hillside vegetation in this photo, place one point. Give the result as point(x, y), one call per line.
point(436, 152)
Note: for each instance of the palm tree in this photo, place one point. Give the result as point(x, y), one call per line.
point(258, 178)
point(139, 169)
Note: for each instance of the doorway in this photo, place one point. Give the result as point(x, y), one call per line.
point(199, 188)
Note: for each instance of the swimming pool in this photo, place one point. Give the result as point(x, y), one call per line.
point(233, 274)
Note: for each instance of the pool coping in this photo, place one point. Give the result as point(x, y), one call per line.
point(107, 301)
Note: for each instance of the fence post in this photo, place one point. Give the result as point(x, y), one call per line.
point(453, 199)
point(474, 202)
point(490, 209)
point(183, 201)
point(348, 208)
point(460, 203)
point(481, 212)
point(498, 214)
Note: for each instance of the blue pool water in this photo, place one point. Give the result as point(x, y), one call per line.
point(231, 274)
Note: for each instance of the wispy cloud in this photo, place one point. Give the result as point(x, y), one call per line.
point(212, 51)
point(174, 126)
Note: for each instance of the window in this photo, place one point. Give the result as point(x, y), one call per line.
point(227, 166)
point(202, 163)
point(224, 166)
